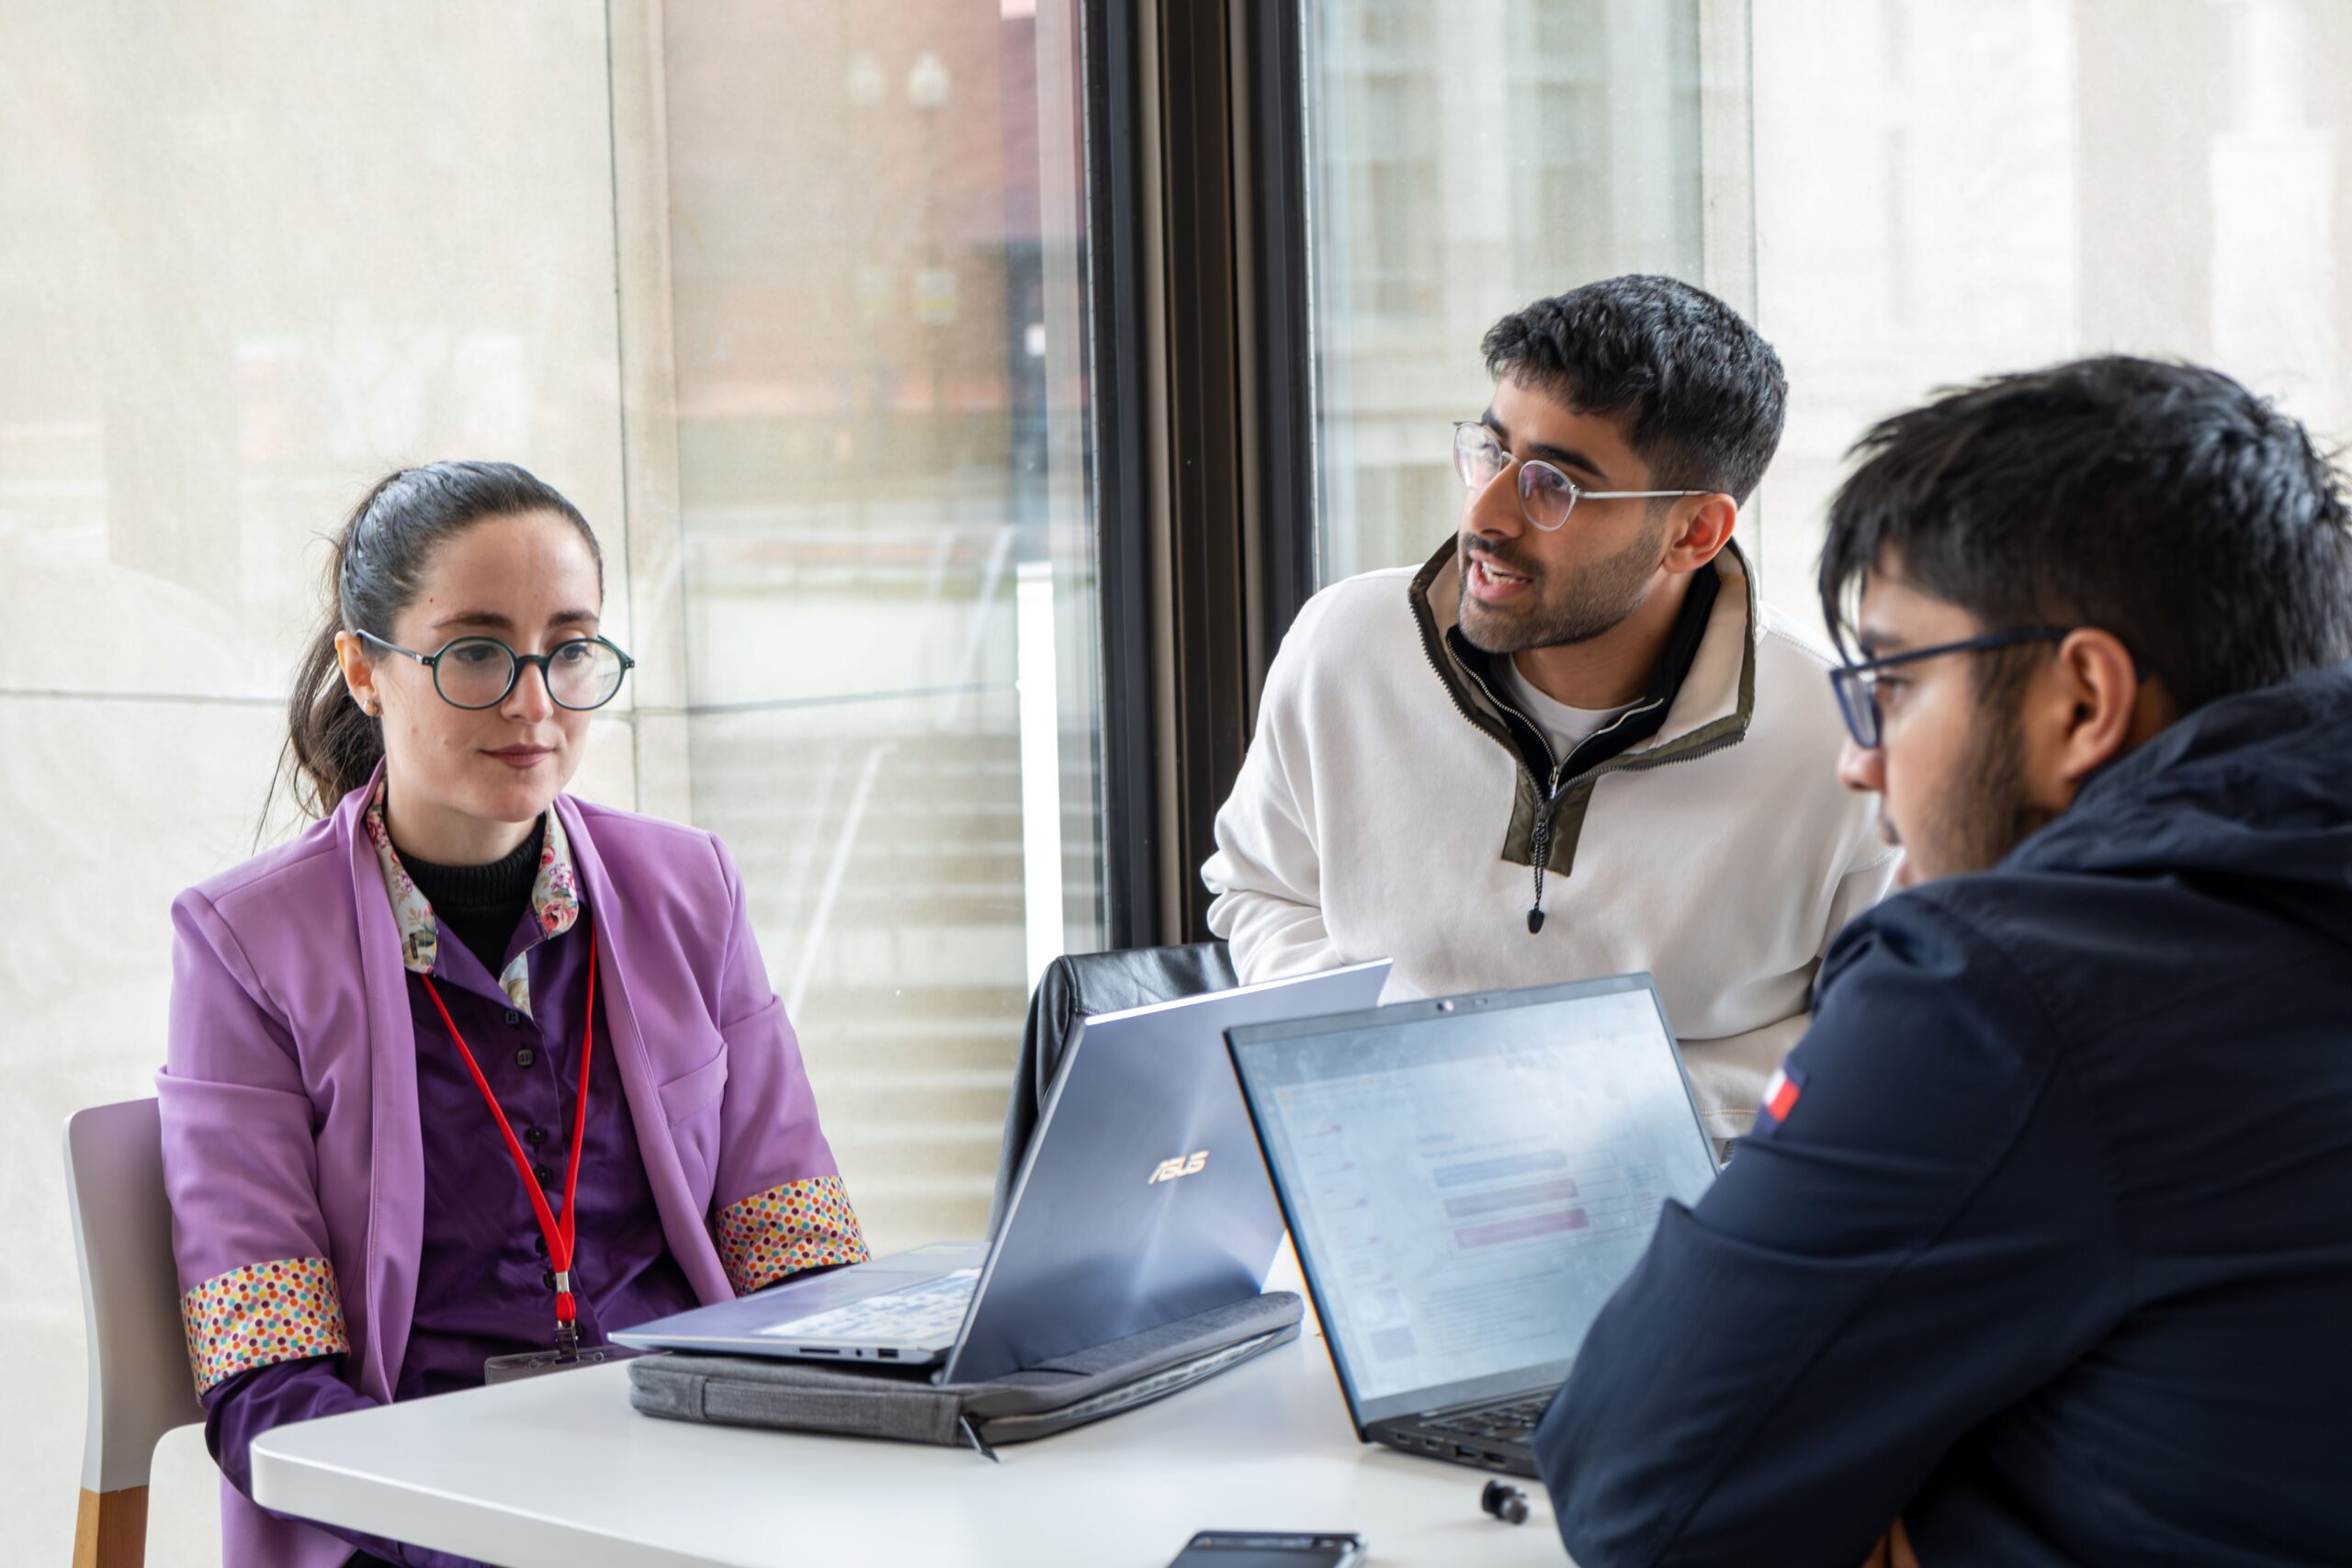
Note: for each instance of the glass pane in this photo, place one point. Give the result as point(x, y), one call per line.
point(1944, 193)
point(254, 257)
point(877, 215)
point(1464, 159)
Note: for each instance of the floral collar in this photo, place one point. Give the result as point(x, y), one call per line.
point(555, 902)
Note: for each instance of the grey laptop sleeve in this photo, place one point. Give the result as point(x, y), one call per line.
point(867, 1401)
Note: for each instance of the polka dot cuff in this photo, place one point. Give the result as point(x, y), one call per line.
point(261, 1314)
point(801, 1224)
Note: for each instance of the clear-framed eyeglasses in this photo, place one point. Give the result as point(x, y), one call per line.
point(1546, 495)
point(580, 672)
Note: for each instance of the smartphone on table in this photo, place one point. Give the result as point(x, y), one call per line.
point(1271, 1548)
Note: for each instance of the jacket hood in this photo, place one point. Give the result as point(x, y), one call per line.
point(2249, 798)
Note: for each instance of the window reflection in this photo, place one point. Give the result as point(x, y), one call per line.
point(2034, 181)
point(887, 571)
point(1464, 160)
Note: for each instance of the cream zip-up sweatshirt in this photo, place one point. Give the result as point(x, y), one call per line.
point(1381, 813)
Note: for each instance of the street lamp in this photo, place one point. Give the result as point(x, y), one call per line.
point(927, 82)
point(867, 86)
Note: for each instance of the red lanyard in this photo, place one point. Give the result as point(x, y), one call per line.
point(559, 1235)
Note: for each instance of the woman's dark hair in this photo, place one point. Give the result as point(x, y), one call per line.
point(2160, 501)
point(379, 561)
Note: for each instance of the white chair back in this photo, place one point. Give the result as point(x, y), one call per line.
point(139, 1384)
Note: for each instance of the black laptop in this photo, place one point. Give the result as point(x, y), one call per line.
point(1467, 1181)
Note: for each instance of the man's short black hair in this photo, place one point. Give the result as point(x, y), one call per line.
point(1701, 395)
point(2161, 502)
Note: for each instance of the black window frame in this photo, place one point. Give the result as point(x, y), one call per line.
point(1203, 417)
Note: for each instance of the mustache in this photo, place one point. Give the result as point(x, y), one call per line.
point(1473, 548)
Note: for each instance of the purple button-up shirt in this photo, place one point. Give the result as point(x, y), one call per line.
point(483, 1286)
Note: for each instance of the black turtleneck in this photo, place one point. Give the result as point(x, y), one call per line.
point(481, 905)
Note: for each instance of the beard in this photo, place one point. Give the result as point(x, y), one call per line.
point(1597, 598)
point(1989, 813)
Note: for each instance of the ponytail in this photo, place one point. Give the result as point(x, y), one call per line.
point(377, 562)
point(331, 742)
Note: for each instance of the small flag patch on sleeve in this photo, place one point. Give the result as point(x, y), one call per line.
point(1781, 1094)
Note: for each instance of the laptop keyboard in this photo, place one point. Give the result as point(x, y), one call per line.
point(1510, 1422)
point(929, 1312)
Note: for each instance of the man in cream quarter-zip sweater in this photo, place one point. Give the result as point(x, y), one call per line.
point(1574, 743)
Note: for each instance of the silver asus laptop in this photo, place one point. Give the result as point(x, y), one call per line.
point(1467, 1181)
point(1142, 1201)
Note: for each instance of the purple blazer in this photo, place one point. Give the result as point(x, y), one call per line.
point(292, 1147)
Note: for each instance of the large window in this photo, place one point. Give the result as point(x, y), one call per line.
point(832, 439)
point(254, 258)
point(1902, 194)
point(874, 223)
point(1464, 160)
point(1946, 191)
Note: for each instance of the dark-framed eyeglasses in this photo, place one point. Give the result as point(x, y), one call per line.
point(580, 672)
point(1857, 685)
point(1546, 495)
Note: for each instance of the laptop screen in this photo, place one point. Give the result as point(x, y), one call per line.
point(1468, 1180)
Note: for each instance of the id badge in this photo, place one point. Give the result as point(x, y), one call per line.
point(537, 1363)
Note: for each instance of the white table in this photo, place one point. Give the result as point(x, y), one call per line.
point(561, 1470)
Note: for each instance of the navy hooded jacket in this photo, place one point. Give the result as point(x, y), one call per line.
point(2052, 1252)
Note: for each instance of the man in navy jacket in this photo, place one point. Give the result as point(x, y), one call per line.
point(2041, 1251)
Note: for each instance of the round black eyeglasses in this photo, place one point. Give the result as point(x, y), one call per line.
point(581, 673)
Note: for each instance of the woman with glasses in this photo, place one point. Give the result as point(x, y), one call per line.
point(471, 1073)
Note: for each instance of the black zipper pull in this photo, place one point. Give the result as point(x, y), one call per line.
point(1543, 852)
point(1543, 843)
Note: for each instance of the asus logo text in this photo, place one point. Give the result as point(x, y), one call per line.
point(1169, 1169)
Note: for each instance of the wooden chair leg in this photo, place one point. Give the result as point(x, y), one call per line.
point(110, 1529)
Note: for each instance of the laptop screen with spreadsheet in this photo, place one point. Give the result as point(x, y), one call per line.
point(1468, 1180)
